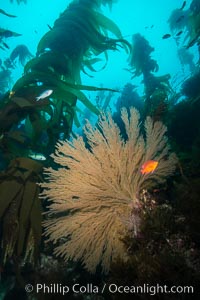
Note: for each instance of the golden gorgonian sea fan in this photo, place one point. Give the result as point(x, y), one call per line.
point(96, 188)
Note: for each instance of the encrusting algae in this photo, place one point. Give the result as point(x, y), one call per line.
point(95, 192)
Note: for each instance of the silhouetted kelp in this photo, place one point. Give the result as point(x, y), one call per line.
point(21, 53)
point(129, 98)
point(5, 80)
point(191, 87)
point(140, 58)
point(156, 87)
point(186, 58)
point(187, 20)
point(19, 1)
point(178, 20)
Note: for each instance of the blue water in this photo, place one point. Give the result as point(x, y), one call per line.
point(132, 16)
point(148, 18)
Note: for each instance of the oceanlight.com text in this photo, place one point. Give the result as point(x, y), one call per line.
point(112, 288)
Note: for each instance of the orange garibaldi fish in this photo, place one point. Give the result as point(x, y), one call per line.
point(149, 166)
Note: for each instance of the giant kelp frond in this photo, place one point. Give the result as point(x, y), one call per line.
point(140, 59)
point(3, 12)
point(5, 80)
point(156, 87)
point(195, 6)
point(49, 62)
point(187, 19)
point(78, 35)
point(194, 29)
point(61, 89)
point(89, 29)
point(5, 33)
point(178, 19)
point(20, 210)
point(191, 89)
point(97, 190)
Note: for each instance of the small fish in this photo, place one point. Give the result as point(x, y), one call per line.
point(44, 94)
point(37, 156)
point(149, 167)
point(146, 27)
point(180, 19)
point(166, 36)
point(179, 33)
point(5, 45)
point(11, 94)
point(184, 4)
point(156, 190)
point(49, 27)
